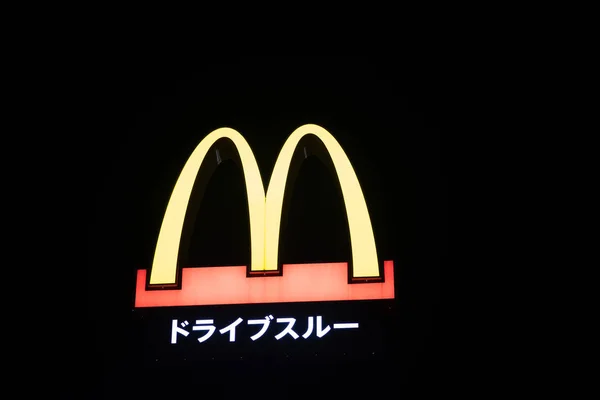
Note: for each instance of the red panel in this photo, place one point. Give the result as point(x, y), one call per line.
point(299, 282)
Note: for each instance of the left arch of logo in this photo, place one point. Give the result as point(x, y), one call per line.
point(265, 210)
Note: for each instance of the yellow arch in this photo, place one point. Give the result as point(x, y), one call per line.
point(265, 212)
point(362, 240)
point(164, 265)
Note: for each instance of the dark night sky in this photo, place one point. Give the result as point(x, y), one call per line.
point(148, 119)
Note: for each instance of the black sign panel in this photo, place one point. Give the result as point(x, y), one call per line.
point(395, 159)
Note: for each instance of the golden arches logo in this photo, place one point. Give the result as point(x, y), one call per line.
point(265, 212)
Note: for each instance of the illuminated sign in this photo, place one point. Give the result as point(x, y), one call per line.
point(207, 326)
point(264, 280)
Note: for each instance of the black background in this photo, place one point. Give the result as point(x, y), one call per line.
point(148, 120)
